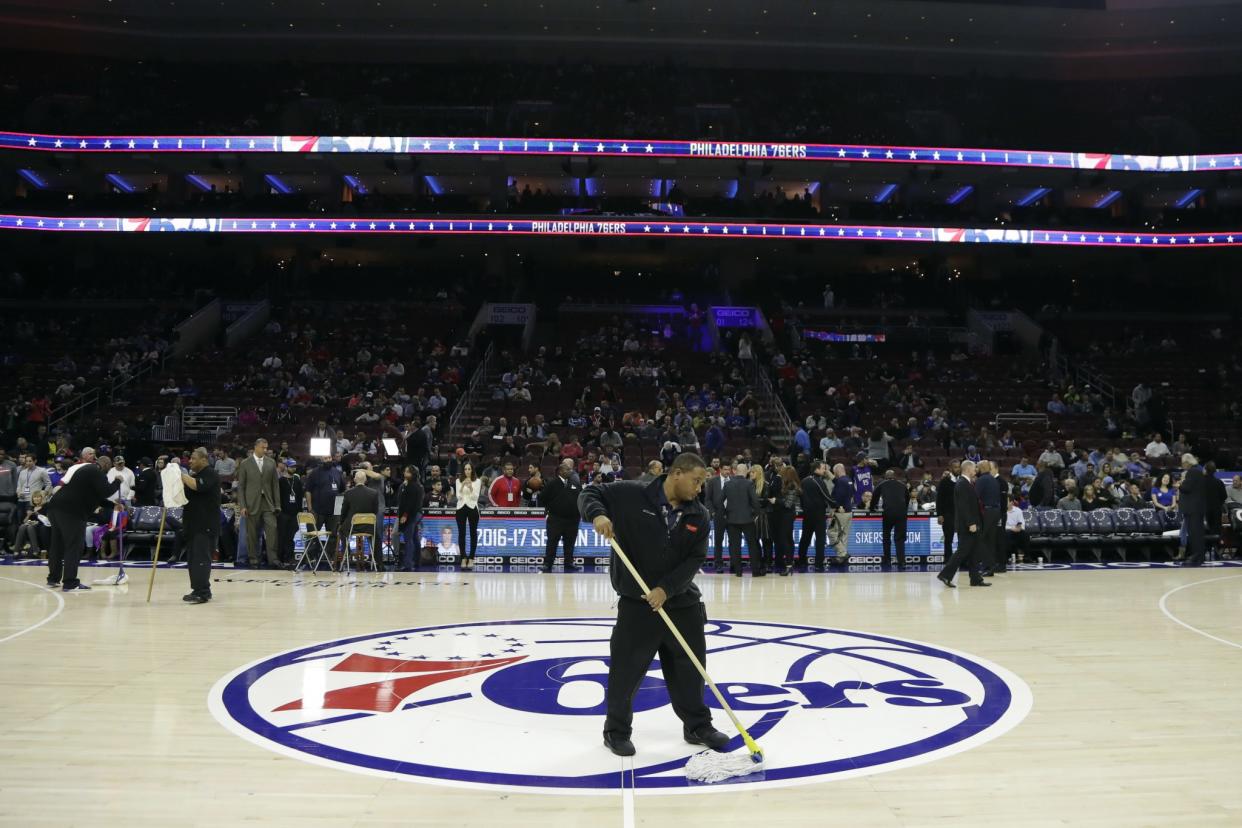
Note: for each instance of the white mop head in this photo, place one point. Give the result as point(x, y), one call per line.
point(114, 580)
point(710, 766)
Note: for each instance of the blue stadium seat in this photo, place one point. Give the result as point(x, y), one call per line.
point(1125, 522)
point(1150, 522)
point(1052, 522)
point(1102, 522)
point(1076, 523)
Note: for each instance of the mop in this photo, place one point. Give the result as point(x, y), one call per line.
point(173, 495)
point(709, 765)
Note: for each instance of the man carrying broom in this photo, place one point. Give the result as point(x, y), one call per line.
point(663, 530)
point(200, 522)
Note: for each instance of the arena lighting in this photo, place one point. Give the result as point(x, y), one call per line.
point(1108, 199)
point(120, 183)
point(356, 184)
point(1032, 197)
point(198, 181)
point(33, 178)
point(1185, 201)
point(320, 447)
point(390, 447)
point(620, 227)
point(770, 151)
point(959, 194)
point(433, 184)
point(885, 193)
point(276, 184)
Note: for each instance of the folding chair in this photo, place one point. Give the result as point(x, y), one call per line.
point(306, 520)
point(362, 527)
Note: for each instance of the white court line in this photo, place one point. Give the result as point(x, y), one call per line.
point(60, 606)
point(1164, 608)
point(627, 792)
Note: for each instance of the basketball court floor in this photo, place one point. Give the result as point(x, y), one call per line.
point(1096, 697)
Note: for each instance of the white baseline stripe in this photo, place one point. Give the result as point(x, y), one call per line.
point(1165, 609)
point(60, 606)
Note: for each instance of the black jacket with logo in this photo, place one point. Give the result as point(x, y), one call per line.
point(666, 558)
point(560, 497)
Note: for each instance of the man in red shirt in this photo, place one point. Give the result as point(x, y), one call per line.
point(506, 490)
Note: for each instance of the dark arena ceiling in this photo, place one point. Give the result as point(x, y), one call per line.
point(1046, 38)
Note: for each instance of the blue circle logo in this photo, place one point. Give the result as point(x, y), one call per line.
point(520, 704)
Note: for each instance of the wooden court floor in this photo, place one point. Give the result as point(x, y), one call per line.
point(1134, 677)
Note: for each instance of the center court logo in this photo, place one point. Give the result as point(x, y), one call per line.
point(520, 704)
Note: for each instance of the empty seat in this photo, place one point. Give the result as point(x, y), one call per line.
point(1101, 521)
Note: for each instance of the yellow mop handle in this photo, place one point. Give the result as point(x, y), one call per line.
point(751, 744)
point(155, 556)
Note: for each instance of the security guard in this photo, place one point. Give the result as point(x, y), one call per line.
point(663, 529)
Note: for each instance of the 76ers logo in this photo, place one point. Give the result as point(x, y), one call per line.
point(519, 704)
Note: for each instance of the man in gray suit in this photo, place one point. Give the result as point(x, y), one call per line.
point(741, 504)
point(258, 493)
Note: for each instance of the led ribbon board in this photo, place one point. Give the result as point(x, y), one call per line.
point(475, 226)
point(763, 151)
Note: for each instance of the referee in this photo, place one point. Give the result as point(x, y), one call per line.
point(200, 523)
point(663, 529)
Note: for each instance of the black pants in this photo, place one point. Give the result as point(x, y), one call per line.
point(718, 538)
point(949, 531)
point(1018, 542)
point(965, 557)
point(737, 531)
point(471, 516)
point(199, 547)
point(68, 543)
point(989, 541)
point(639, 636)
point(782, 537)
point(893, 533)
point(331, 523)
point(1195, 549)
point(816, 525)
point(560, 529)
point(286, 528)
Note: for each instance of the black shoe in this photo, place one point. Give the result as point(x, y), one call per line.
point(546, 570)
point(979, 583)
point(707, 736)
point(785, 572)
point(80, 587)
point(901, 567)
point(759, 574)
point(52, 583)
point(619, 744)
point(737, 572)
point(942, 579)
point(719, 568)
point(195, 598)
point(987, 574)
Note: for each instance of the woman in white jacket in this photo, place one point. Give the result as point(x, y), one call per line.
point(468, 488)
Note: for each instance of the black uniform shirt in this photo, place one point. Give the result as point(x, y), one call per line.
point(201, 514)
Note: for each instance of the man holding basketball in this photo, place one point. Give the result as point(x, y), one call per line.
point(663, 529)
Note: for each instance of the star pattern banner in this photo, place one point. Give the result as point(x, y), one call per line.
point(644, 228)
point(762, 151)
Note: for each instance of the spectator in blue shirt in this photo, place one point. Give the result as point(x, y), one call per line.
point(1023, 470)
point(802, 441)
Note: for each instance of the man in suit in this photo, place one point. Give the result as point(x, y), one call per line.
point(990, 499)
point(713, 495)
point(1043, 494)
point(361, 499)
point(741, 504)
point(1215, 498)
point(944, 505)
point(84, 489)
point(258, 493)
point(816, 502)
point(968, 517)
point(560, 503)
point(1192, 503)
point(422, 444)
point(893, 499)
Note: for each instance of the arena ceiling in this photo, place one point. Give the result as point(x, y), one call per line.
point(1044, 38)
